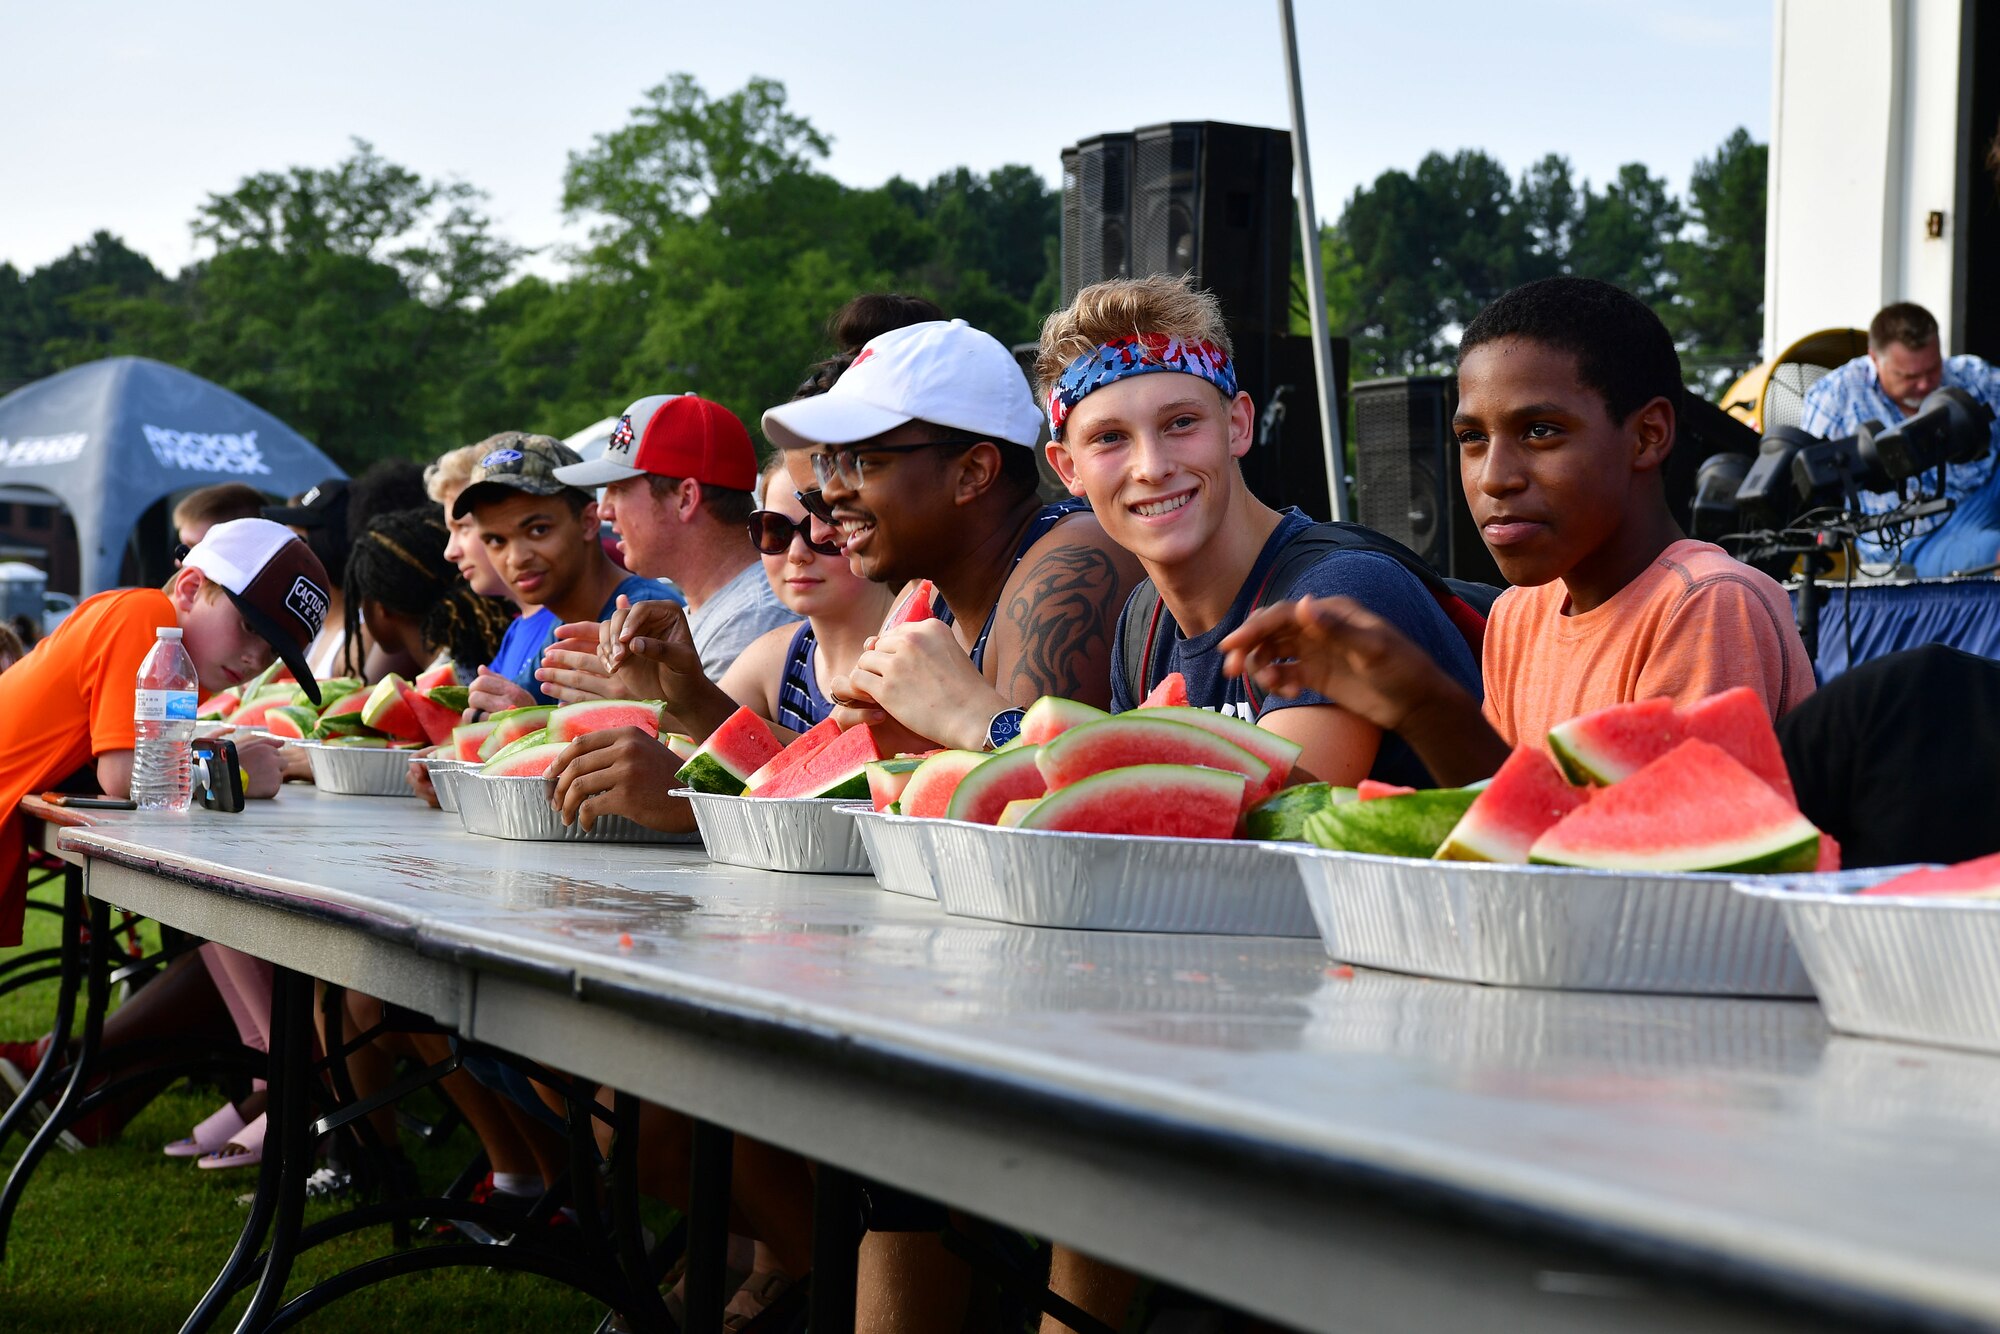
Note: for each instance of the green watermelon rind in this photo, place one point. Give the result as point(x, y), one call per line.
point(1408, 826)
point(996, 769)
point(1221, 752)
point(1281, 817)
point(1144, 781)
point(566, 714)
point(1281, 753)
point(496, 767)
point(519, 744)
point(1054, 708)
point(1800, 853)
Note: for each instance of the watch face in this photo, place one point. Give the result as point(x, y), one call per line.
point(1006, 725)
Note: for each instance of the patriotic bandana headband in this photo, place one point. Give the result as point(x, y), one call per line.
point(1136, 354)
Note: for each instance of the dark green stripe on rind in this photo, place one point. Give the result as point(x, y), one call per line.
point(705, 773)
point(1800, 856)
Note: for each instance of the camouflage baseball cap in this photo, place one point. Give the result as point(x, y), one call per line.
point(519, 462)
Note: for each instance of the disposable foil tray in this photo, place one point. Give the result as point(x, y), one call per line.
point(518, 808)
point(808, 834)
point(1915, 969)
point(359, 771)
point(1549, 926)
point(445, 778)
point(899, 848)
point(1117, 882)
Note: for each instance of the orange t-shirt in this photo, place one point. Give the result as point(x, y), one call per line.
point(68, 701)
point(1695, 622)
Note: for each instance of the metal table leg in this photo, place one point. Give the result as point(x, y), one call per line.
point(708, 1226)
point(71, 970)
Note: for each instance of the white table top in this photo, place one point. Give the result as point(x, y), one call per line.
point(1738, 1129)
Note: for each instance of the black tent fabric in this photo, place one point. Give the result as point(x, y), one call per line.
point(111, 438)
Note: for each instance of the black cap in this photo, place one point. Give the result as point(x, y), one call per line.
point(325, 506)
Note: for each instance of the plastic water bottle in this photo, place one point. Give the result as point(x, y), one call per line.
point(163, 721)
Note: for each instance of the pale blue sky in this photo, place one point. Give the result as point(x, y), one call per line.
point(125, 115)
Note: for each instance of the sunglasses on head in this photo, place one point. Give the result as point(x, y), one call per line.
point(771, 533)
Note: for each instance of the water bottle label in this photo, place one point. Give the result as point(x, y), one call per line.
point(164, 706)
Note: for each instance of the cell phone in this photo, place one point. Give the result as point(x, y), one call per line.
point(76, 801)
point(218, 774)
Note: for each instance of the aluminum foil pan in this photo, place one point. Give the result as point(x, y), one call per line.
point(1915, 969)
point(809, 834)
point(1117, 882)
point(359, 771)
point(1548, 926)
point(518, 808)
point(899, 848)
point(445, 777)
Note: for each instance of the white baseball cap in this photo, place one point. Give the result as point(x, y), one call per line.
point(943, 372)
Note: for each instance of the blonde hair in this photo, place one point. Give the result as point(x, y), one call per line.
point(1121, 307)
point(449, 474)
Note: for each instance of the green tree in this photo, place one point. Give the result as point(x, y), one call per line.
point(1719, 264)
point(1622, 234)
point(64, 312)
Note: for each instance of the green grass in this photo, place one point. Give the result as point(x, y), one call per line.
point(123, 1238)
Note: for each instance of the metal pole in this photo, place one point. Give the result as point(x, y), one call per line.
point(1336, 452)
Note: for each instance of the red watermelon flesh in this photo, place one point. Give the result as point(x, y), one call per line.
point(741, 746)
point(1829, 853)
point(219, 705)
point(1170, 693)
point(1614, 743)
point(1694, 809)
point(258, 714)
point(1132, 739)
point(389, 713)
point(466, 739)
point(1049, 717)
point(1278, 752)
point(444, 674)
point(510, 725)
point(1370, 790)
point(1978, 878)
point(433, 719)
point(1528, 795)
point(534, 762)
point(1006, 777)
point(1737, 721)
point(571, 721)
point(1152, 800)
point(802, 747)
point(917, 603)
point(930, 789)
point(352, 702)
point(292, 721)
point(837, 769)
point(888, 778)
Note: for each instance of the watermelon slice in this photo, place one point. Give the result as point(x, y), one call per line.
point(519, 744)
point(1049, 717)
point(335, 689)
point(1528, 795)
point(510, 725)
point(360, 742)
point(293, 721)
point(456, 698)
point(888, 778)
point(1016, 811)
point(529, 761)
point(1976, 879)
point(990, 788)
point(734, 751)
point(1407, 826)
point(444, 674)
point(1170, 693)
point(389, 713)
point(929, 790)
point(351, 702)
point(1694, 809)
point(915, 603)
point(1282, 818)
point(1370, 790)
point(433, 719)
point(1152, 800)
point(1133, 739)
point(218, 706)
point(466, 739)
point(1614, 743)
point(257, 713)
point(681, 744)
point(802, 747)
point(1829, 853)
point(1278, 752)
point(837, 769)
point(571, 721)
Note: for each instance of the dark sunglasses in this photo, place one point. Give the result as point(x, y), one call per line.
point(816, 505)
point(771, 533)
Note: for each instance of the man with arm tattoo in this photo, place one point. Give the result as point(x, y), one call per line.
point(923, 458)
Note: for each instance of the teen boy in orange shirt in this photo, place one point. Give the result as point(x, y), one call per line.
point(1567, 389)
point(247, 590)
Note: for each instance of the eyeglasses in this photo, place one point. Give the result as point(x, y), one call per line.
point(847, 462)
point(771, 533)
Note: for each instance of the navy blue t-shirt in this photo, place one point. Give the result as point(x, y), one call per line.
point(1376, 581)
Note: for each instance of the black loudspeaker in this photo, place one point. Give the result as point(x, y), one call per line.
point(1406, 480)
point(1213, 201)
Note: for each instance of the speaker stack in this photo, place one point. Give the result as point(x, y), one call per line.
point(1406, 473)
point(1213, 201)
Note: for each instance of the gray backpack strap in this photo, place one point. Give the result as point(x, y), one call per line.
point(1132, 628)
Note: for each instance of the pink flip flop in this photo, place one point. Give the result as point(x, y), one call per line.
point(212, 1134)
point(248, 1143)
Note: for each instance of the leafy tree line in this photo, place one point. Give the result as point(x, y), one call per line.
point(380, 314)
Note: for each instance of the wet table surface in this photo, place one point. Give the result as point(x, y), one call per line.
point(1736, 1136)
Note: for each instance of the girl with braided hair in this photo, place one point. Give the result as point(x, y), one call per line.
point(411, 599)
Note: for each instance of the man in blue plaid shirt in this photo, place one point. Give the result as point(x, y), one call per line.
point(1903, 365)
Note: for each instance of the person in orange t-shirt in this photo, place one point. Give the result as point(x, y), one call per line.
point(1566, 413)
point(247, 590)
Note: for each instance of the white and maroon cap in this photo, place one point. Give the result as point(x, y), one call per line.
point(276, 583)
point(943, 372)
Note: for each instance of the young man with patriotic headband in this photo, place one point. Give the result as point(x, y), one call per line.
point(1147, 421)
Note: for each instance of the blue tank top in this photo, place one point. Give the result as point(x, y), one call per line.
point(800, 703)
point(1038, 527)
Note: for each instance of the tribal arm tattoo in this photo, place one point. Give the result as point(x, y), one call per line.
point(1065, 612)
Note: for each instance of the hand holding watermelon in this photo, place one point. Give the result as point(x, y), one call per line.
point(621, 771)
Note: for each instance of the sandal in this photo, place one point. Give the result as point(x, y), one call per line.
point(210, 1135)
point(244, 1149)
point(759, 1293)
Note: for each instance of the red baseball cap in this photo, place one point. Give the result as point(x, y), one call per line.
point(673, 435)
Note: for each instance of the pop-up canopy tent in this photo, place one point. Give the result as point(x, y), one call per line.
point(112, 438)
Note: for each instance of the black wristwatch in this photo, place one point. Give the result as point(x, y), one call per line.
point(1006, 725)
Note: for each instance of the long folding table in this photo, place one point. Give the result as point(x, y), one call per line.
point(1334, 1149)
